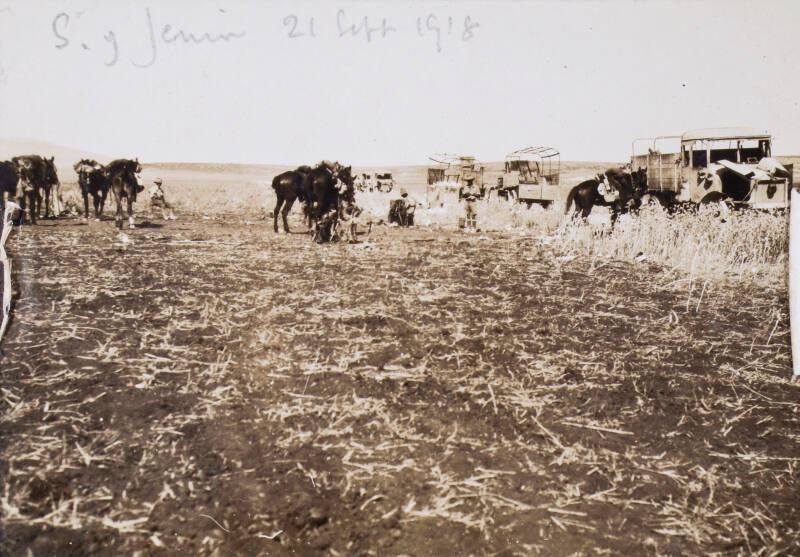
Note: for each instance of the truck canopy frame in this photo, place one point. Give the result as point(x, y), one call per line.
point(546, 162)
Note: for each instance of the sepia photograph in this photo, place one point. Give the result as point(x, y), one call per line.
point(399, 278)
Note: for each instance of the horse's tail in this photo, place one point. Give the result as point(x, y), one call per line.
point(570, 199)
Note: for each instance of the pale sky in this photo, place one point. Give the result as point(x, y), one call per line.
point(584, 77)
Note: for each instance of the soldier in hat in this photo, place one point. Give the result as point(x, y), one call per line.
point(409, 206)
point(401, 210)
point(158, 199)
point(469, 194)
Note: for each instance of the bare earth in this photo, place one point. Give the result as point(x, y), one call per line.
point(210, 388)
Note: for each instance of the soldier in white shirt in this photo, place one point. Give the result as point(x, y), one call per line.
point(469, 194)
point(158, 199)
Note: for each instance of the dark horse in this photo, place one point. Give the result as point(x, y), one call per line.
point(92, 179)
point(629, 188)
point(122, 175)
point(327, 188)
point(37, 176)
point(9, 176)
point(288, 188)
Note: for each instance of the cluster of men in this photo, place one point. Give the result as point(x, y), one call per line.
point(401, 210)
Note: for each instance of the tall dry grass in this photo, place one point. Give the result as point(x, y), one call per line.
point(703, 243)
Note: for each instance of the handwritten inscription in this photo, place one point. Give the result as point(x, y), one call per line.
point(438, 30)
point(428, 25)
point(157, 35)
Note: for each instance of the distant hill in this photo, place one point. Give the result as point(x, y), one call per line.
point(65, 156)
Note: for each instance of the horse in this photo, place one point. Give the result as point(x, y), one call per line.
point(629, 188)
point(122, 175)
point(629, 191)
point(324, 187)
point(288, 188)
point(93, 180)
point(36, 174)
point(9, 176)
point(585, 196)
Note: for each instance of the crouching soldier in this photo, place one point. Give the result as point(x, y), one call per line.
point(469, 194)
point(158, 199)
point(351, 217)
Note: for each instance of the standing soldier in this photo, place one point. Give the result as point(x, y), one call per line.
point(470, 193)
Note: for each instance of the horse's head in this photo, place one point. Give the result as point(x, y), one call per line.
point(639, 178)
point(630, 185)
point(345, 177)
point(303, 169)
point(50, 174)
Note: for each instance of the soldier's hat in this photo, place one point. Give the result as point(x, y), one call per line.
point(469, 180)
point(157, 181)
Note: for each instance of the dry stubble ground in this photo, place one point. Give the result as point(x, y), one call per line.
point(213, 389)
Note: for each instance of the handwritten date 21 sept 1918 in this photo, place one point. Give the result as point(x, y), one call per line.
point(436, 29)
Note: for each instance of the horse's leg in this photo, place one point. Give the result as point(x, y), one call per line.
point(85, 195)
point(131, 225)
point(32, 205)
point(285, 213)
point(615, 211)
point(20, 200)
point(47, 192)
point(36, 205)
point(277, 210)
point(118, 215)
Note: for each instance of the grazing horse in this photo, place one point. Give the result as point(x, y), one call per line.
point(93, 180)
point(324, 187)
point(288, 188)
point(122, 175)
point(9, 176)
point(36, 175)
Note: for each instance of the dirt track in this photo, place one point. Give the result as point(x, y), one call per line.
point(210, 384)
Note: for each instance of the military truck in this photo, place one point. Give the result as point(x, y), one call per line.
point(448, 174)
point(731, 164)
point(531, 175)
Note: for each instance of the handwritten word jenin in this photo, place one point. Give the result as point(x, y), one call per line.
point(157, 35)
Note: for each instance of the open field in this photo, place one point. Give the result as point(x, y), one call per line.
point(209, 388)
